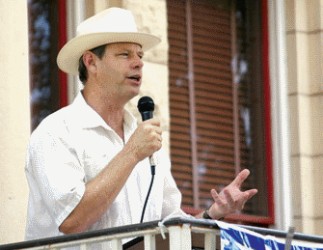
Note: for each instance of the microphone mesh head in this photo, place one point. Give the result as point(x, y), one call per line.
point(145, 104)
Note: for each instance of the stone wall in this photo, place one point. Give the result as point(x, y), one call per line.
point(151, 17)
point(304, 34)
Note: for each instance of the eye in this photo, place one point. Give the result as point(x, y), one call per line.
point(124, 54)
point(140, 55)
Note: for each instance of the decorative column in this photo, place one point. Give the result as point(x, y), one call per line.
point(15, 119)
point(305, 73)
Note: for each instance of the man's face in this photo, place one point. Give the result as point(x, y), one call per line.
point(120, 70)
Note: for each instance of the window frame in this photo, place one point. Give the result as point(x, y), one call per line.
point(244, 218)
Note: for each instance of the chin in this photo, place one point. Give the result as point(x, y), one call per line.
point(133, 94)
point(135, 91)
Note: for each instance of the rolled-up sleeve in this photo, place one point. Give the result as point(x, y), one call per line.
point(55, 175)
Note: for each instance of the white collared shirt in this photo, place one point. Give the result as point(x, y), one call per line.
point(69, 148)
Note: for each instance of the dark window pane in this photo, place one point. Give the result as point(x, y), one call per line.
point(43, 40)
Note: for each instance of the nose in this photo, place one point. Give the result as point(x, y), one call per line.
point(137, 62)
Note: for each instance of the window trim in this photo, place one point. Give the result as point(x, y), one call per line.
point(267, 106)
point(62, 39)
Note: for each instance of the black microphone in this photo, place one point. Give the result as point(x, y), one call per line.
point(146, 108)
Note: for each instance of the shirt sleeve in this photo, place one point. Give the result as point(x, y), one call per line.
point(56, 172)
point(172, 196)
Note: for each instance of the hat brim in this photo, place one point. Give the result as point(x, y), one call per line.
point(69, 55)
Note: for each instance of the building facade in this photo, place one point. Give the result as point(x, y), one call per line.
point(291, 52)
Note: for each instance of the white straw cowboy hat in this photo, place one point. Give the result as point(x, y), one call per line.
point(109, 26)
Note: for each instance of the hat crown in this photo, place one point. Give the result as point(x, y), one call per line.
point(113, 25)
point(110, 20)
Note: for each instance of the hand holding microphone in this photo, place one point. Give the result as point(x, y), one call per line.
point(147, 137)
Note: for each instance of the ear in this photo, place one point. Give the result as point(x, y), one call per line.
point(89, 60)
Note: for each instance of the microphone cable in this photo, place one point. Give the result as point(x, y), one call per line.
point(153, 170)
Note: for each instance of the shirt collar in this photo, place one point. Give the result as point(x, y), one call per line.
point(87, 117)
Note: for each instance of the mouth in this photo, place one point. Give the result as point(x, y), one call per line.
point(136, 78)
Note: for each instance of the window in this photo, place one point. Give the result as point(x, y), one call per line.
point(217, 104)
point(46, 33)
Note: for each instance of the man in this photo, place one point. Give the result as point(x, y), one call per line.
point(87, 164)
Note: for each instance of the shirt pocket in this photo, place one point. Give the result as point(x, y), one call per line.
point(93, 164)
point(96, 156)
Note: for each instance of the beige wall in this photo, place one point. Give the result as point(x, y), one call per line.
point(305, 68)
point(151, 17)
point(14, 117)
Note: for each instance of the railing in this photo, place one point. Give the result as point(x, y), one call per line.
point(173, 234)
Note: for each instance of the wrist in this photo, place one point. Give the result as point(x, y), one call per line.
point(206, 215)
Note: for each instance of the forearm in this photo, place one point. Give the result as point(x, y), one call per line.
point(100, 192)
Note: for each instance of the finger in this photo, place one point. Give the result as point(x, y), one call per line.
point(241, 177)
point(216, 197)
point(228, 197)
point(243, 198)
point(154, 121)
point(158, 135)
point(214, 194)
point(251, 193)
point(159, 130)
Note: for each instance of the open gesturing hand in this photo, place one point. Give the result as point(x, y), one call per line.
point(231, 198)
